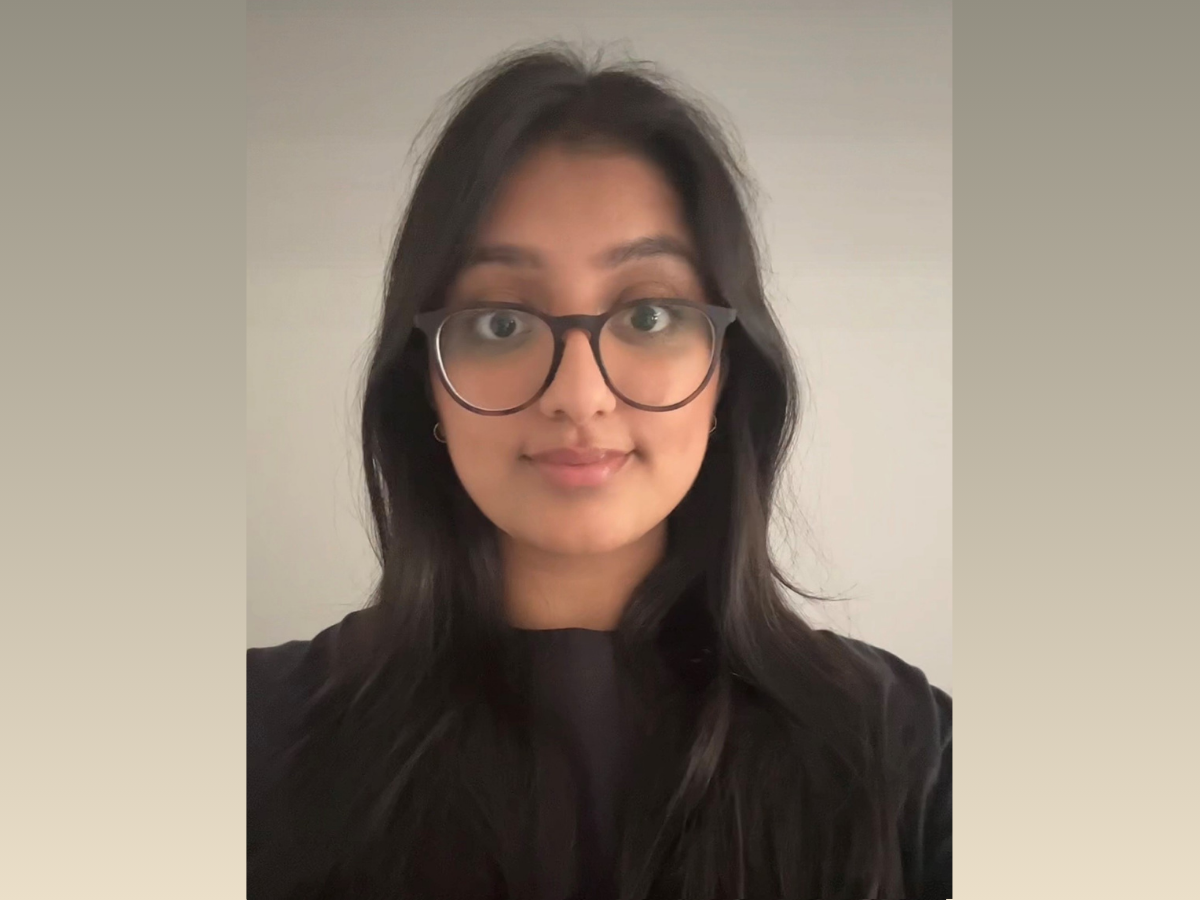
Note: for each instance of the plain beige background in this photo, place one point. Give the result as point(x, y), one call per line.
point(844, 112)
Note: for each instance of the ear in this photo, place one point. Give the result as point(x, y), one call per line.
point(421, 364)
point(724, 373)
point(427, 377)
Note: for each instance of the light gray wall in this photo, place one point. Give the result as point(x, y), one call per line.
point(844, 110)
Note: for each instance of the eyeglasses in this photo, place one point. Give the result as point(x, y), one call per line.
point(498, 359)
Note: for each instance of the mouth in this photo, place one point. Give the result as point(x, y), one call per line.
point(579, 467)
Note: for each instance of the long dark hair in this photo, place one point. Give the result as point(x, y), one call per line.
point(427, 769)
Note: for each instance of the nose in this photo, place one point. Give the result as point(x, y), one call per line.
point(579, 391)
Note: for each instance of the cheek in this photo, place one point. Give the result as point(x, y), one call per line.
point(480, 447)
point(677, 445)
point(674, 444)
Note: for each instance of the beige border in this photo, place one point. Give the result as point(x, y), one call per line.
point(1074, 695)
point(122, 347)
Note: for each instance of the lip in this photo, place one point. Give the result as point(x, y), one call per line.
point(580, 466)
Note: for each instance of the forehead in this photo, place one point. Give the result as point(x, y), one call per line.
point(570, 203)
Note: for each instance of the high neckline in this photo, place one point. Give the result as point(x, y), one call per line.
point(574, 629)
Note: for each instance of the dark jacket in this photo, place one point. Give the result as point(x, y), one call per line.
point(917, 732)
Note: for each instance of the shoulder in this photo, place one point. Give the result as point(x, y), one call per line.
point(903, 687)
point(282, 677)
point(902, 701)
point(887, 702)
point(278, 678)
point(910, 721)
point(280, 683)
point(913, 727)
point(276, 692)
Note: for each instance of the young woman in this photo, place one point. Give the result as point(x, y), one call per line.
point(580, 675)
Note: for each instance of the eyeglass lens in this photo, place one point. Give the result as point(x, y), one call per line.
point(656, 354)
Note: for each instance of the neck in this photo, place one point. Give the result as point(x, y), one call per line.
point(548, 590)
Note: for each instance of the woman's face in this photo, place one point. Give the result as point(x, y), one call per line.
point(547, 242)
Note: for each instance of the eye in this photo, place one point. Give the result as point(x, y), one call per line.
point(499, 325)
point(648, 318)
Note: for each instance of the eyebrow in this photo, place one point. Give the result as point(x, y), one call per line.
point(640, 248)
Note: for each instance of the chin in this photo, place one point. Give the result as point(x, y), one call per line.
point(577, 536)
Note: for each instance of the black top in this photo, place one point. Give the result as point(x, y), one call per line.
point(576, 679)
point(577, 684)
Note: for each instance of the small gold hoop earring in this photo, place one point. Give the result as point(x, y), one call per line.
point(714, 425)
point(438, 434)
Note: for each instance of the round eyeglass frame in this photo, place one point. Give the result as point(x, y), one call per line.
point(430, 323)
